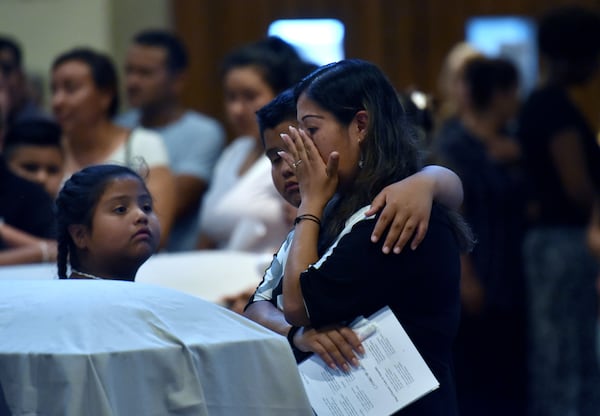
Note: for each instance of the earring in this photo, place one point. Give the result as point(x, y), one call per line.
point(361, 161)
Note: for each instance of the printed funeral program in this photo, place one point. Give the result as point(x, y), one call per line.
point(392, 373)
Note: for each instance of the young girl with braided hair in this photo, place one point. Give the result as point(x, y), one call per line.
point(107, 227)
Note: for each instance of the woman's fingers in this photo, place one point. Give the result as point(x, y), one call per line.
point(377, 204)
point(396, 234)
point(336, 346)
point(291, 155)
point(335, 349)
point(419, 235)
point(333, 164)
point(298, 136)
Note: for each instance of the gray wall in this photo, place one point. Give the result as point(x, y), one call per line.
point(46, 28)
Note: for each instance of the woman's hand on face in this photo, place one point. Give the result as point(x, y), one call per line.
point(336, 345)
point(317, 180)
point(405, 211)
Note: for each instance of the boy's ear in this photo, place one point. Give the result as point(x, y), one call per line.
point(78, 233)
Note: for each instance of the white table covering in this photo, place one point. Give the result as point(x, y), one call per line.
point(210, 274)
point(87, 347)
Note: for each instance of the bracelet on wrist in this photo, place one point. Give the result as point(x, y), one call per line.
point(291, 333)
point(309, 217)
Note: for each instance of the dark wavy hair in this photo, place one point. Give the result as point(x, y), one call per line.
point(390, 150)
point(277, 61)
point(76, 204)
point(32, 132)
point(102, 69)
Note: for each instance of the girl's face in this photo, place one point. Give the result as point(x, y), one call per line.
point(76, 101)
point(245, 93)
point(125, 230)
point(329, 135)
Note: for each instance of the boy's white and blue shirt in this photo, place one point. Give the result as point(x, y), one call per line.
point(270, 289)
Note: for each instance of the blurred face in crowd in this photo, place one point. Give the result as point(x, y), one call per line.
point(76, 100)
point(147, 78)
point(39, 164)
point(245, 93)
point(13, 78)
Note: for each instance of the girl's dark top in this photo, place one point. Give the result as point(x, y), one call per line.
point(548, 112)
point(421, 287)
point(25, 205)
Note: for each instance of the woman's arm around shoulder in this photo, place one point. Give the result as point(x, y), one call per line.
point(406, 206)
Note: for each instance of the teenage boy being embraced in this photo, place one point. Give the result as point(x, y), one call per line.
point(405, 205)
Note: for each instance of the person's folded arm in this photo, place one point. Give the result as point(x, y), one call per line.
point(303, 252)
point(266, 314)
point(13, 237)
point(318, 182)
point(336, 345)
point(36, 253)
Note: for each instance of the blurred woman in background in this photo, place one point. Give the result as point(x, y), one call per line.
point(84, 100)
point(242, 209)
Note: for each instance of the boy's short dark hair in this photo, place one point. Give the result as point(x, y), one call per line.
point(177, 57)
point(281, 108)
point(35, 132)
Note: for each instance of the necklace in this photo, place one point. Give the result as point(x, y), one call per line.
point(91, 276)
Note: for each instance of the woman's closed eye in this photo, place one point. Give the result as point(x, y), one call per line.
point(310, 130)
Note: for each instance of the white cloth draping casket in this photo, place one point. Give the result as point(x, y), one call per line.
point(86, 347)
point(209, 274)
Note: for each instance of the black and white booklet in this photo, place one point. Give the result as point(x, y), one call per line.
point(392, 374)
